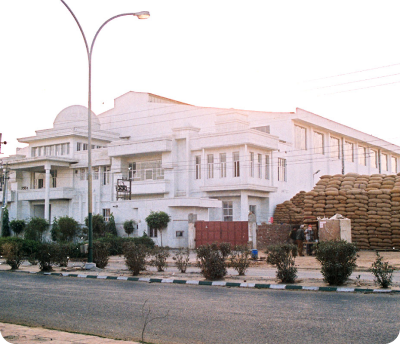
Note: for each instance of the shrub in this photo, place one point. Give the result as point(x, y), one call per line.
point(182, 259)
point(61, 256)
point(144, 240)
point(47, 256)
point(111, 228)
point(17, 226)
point(5, 231)
point(159, 258)
point(211, 261)
point(240, 259)
point(35, 229)
point(382, 271)
point(135, 257)
point(13, 254)
point(99, 227)
point(337, 259)
point(68, 228)
point(100, 254)
point(282, 256)
point(129, 226)
point(225, 248)
point(158, 220)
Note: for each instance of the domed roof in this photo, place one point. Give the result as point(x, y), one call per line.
point(75, 116)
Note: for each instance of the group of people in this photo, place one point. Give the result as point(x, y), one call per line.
point(298, 235)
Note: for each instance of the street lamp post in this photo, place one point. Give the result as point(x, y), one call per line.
point(140, 15)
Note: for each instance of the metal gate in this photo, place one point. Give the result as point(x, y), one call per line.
point(234, 232)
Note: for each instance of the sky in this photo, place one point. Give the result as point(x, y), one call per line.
point(338, 59)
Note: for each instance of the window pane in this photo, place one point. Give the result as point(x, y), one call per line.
point(198, 167)
point(236, 164)
point(267, 167)
point(384, 162)
point(210, 166)
point(318, 143)
point(335, 148)
point(349, 151)
point(300, 137)
point(394, 164)
point(222, 161)
point(362, 156)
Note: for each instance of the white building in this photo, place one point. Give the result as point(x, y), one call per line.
point(182, 159)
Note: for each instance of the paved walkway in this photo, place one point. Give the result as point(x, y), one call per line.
point(16, 334)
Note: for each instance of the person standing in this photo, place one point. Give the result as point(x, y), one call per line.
point(309, 239)
point(300, 240)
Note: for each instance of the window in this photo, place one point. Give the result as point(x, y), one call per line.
point(251, 164)
point(267, 166)
point(145, 170)
point(227, 209)
point(47, 151)
point(40, 183)
point(132, 170)
point(95, 173)
point(236, 164)
point(300, 137)
point(85, 146)
point(281, 170)
point(106, 175)
point(58, 149)
point(252, 209)
point(210, 166)
point(384, 162)
point(198, 167)
point(34, 151)
point(106, 214)
point(394, 164)
point(362, 156)
point(259, 165)
point(222, 163)
point(318, 143)
point(179, 234)
point(83, 174)
point(349, 151)
point(65, 149)
point(53, 174)
point(78, 146)
point(152, 233)
point(335, 148)
point(373, 155)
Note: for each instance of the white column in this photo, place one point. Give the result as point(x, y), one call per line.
point(47, 193)
point(188, 164)
point(244, 206)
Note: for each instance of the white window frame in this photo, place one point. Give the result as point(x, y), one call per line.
point(384, 162)
point(349, 151)
point(282, 170)
point(236, 164)
point(227, 211)
point(394, 164)
point(267, 167)
point(252, 164)
point(222, 164)
point(210, 166)
point(300, 137)
point(319, 143)
point(334, 147)
point(373, 156)
point(362, 155)
point(198, 166)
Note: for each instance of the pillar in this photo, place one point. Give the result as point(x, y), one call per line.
point(47, 193)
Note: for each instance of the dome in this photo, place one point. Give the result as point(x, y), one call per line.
point(75, 116)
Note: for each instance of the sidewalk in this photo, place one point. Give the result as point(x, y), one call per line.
point(16, 334)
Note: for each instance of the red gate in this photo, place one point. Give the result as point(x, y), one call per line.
point(235, 232)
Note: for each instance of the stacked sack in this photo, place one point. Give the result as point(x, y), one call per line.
point(289, 213)
point(372, 203)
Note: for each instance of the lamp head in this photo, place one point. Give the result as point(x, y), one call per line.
point(142, 14)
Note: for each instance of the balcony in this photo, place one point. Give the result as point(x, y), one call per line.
point(39, 194)
point(127, 189)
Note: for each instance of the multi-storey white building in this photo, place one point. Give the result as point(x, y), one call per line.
point(153, 153)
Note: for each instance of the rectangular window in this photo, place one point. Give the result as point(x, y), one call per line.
point(394, 164)
point(349, 151)
point(53, 174)
point(198, 167)
point(40, 184)
point(227, 209)
point(252, 209)
point(362, 156)
point(47, 151)
point(300, 137)
point(373, 155)
point(236, 164)
point(210, 166)
point(318, 143)
point(85, 146)
point(58, 150)
point(83, 174)
point(78, 146)
point(259, 165)
point(335, 148)
point(251, 164)
point(34, 151)
point(282, 170)
point(52, 150)
point(106, 175)
point(39, 151)
point(95, 173)
point(267, 167)
point(145, 170)
point(179, 234)
point(106, 214)
point(132, 170)
point(152, 233)
point(222, 165)
point(384, 162)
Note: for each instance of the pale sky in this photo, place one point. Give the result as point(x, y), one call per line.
point(338, 59)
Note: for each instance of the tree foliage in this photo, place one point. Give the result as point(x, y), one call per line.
point(17, 226)
point(129, 226)
point(158, 220)
point(5, 231)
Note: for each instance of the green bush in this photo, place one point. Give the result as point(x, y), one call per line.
point(382, 271)
point(211, 261)
point(135, 257)
point(111, 228)
point(48, 254)
point(282, 256)
point(159, 258)
point(98, 224)
point(129, 226)
point(100, 254)
point(144, 240)
point(17, 226)
point(64, 229)
point(13, 254)
point(240, 259)
point(35, 229)
point(182, 259)
point(5, 231)
point(338, 260)
point(158, 220)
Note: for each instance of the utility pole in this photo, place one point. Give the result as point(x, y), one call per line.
point(4, 204)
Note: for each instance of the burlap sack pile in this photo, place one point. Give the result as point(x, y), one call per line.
point(372, 203)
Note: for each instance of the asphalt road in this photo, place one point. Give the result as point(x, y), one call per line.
point(198, 314)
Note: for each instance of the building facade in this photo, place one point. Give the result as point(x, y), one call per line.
point(150, 153)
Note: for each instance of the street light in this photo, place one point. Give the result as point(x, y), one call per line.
point(140, 15)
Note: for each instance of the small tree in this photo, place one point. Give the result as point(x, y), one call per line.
point(35, 228)
point(55, 230)
point(5, 232)
point(99, 227)
point(111, 228)
point(211, 261)
point(282, 256)
point(159, 258)
point(129, 226)
point(17, 226)
point(240, 259)
point(135, 257)
point(382, 271)
point(158, 221)
point(69, 227)
point(182, 259)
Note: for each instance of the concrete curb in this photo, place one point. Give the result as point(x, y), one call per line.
point(226, 284)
